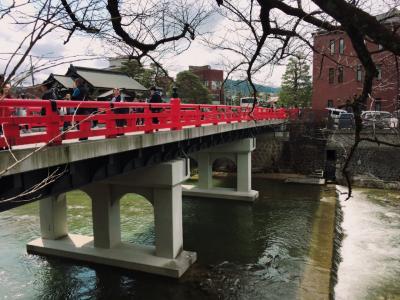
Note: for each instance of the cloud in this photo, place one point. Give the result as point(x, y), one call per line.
point(53, 45)
point(48, 47)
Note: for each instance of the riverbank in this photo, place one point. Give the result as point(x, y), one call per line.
point(373, 165)
point(317, 282)
point(358, 181)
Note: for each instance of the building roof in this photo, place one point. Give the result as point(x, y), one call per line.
point(64, 81)
point(392, 16)
point(105, 78)
point(199, 68)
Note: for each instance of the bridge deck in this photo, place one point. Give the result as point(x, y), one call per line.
point(72, 151)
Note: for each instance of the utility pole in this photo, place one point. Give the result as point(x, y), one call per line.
point(33, 79)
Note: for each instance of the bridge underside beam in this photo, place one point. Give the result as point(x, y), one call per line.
point(76, 174)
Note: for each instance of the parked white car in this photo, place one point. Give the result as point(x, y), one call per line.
point(333, 117)
point(334, 113)
point(379, 119)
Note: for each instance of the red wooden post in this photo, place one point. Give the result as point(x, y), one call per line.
point(175, 114)
point(201, 117)
point(53, 123)
point(215, 115)
point(110, 122)
point(11, 133)
point(84, 128)
point(148, 119)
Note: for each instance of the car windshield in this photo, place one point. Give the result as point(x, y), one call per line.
point(334, 112)
point(346, 116)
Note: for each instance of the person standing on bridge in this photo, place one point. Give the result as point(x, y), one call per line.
point(155, 98)
point(48, 94)
point(4, 94)
point(80, 93)
point(118, 98)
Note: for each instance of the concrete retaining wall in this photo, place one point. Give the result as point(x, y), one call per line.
point(298, 154)
point(373, 165)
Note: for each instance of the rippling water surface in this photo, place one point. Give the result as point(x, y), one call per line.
point(370, 267)
point(269, 250)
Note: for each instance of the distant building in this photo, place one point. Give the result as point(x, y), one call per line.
point(100, 82)
point(212, 80)
point(162, 82)
point(117, 62)
point(338, 74)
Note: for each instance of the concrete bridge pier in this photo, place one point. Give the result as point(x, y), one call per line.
point(239, 152)
point(53, 217)
point(161, 185)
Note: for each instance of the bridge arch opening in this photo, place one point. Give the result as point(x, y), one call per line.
point(194, 170)
point(79, 213)
point(223, 170)
point(137, 219)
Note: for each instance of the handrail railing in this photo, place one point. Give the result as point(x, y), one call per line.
point(113, 118)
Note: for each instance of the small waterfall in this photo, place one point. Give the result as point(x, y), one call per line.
point(337, 243)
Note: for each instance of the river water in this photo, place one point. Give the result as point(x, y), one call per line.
point(278, 248)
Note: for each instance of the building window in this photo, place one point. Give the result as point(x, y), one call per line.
point(215, 85)
point(205, 83)
point(341, 46)
point(332, 46)
point(379, 69)
point(331, 75)
point(359, 73)
point(378, 104)
point(340, 75)
point(330, 103)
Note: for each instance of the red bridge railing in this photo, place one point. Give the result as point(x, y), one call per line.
point(46, 121)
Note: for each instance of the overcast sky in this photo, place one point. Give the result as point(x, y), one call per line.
point(85, 47)
point(52, 45)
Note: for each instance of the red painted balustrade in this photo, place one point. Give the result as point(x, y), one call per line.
point(42, 121)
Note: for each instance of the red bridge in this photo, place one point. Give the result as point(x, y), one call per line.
point(153, 163)
point(136, 117)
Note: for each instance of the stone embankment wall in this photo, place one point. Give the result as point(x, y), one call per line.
point(307, 150)
point(294, 152)
point(266, 156)
point(373, 164)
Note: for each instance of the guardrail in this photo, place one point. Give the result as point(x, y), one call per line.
point(113, 118)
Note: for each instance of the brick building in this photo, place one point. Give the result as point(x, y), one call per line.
point(338, 76)
point(212, 80)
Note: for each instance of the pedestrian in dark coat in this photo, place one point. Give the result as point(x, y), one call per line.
point(80, 93)
point(155, 98)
